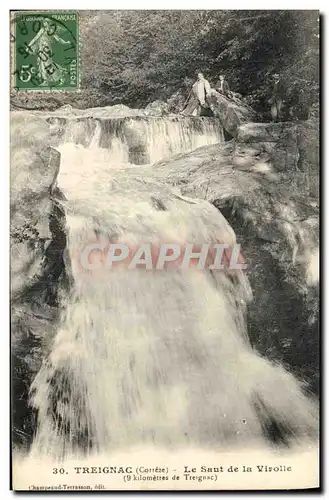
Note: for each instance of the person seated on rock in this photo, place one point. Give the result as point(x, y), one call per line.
point(223, 87)
point(276, 100)
point(197, 97)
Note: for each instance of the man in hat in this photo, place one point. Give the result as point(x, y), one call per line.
point(277, 98)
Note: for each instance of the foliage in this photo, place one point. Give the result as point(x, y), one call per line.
point(136, 57)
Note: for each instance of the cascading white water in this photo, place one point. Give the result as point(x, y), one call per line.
point(138, 140)
point(157, 357)
point(169, 138)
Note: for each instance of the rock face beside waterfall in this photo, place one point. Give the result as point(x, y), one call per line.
point(34, 169)
point(232, 113)
point(292, 149)
point(266, 184)
point(37, 241)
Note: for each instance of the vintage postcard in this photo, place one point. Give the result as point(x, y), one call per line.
point(164, 232)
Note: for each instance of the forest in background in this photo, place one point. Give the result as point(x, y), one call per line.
point(137, 57)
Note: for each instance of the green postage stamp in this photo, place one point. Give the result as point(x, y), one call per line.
point(45, 50)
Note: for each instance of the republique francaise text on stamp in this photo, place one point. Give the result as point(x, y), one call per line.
point(45, 50)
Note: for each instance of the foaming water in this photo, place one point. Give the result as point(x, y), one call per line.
point(140, 140)
point(153, 357)
point(169, 138)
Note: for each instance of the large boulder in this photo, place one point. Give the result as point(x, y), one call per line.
point(231, 112)
point(261, 132)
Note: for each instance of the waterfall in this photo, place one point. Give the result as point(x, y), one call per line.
point(140, 357)
point(137, 140)
point(168, 138)
point(152, 357)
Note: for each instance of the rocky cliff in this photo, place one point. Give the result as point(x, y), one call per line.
point(38, 239)
point(266, 184)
